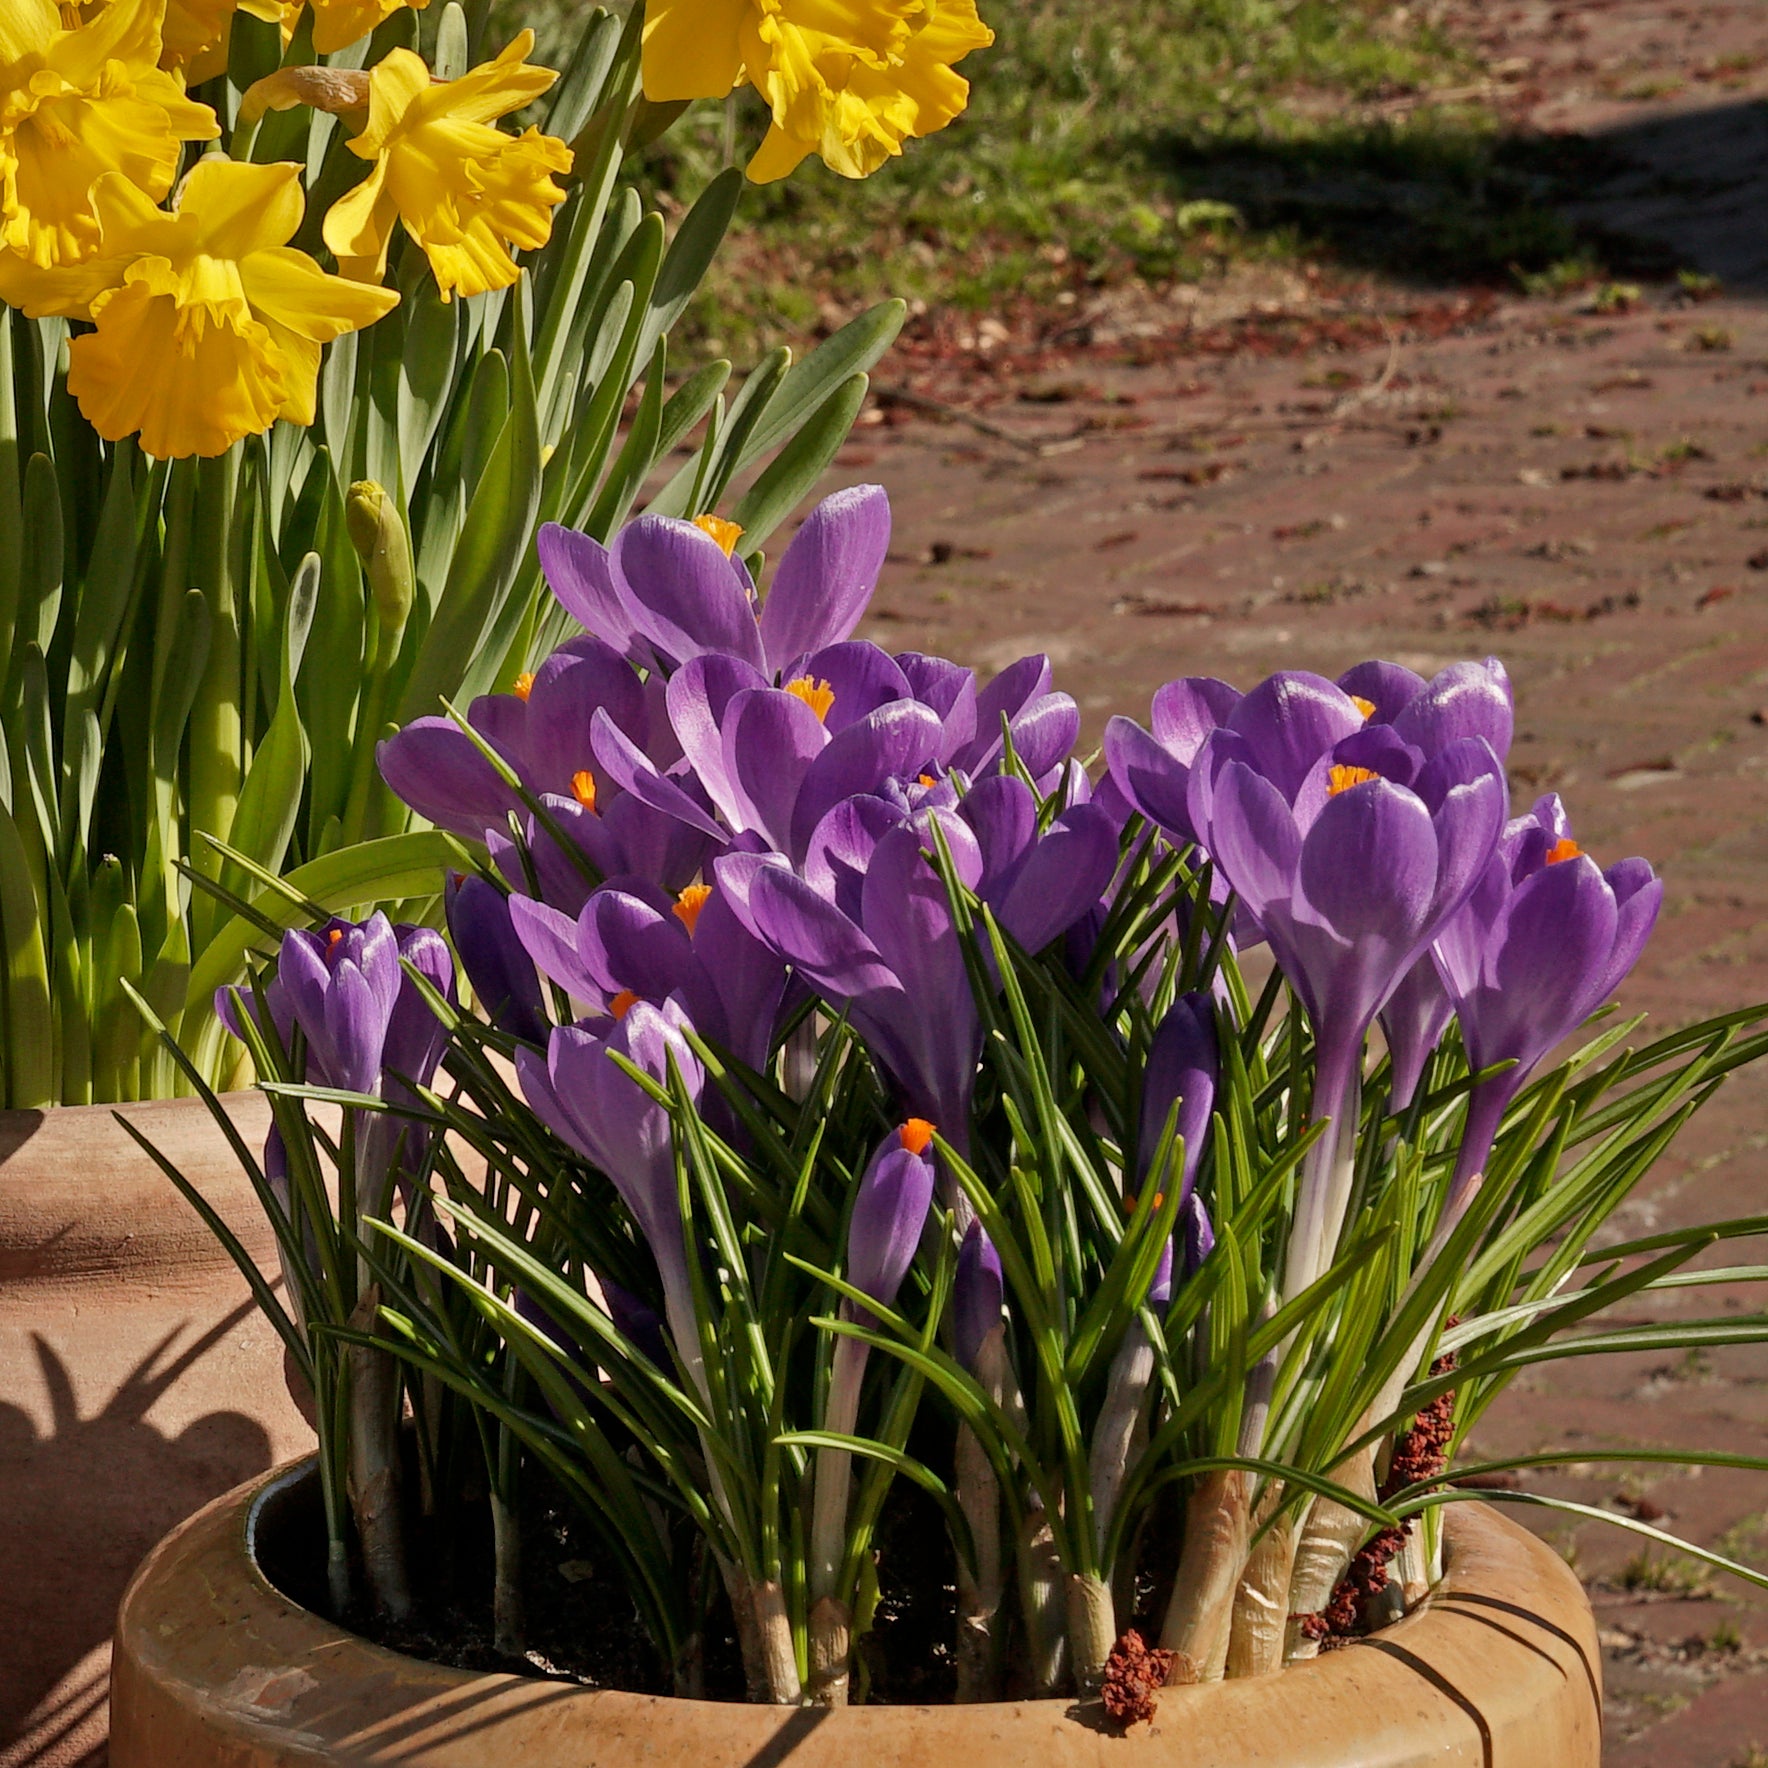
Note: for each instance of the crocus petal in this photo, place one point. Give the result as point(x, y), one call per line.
point(841, 847)
point(1638, 897)
point(769, 740)
point(1182, 1066)
point(1044, 733)
point(1063, 877)
point(497, 965)
point(860, 675)
point(682, 593)
point(568, 690)
point(1289, 721)
point(633, 945)
point(1005, 697)
point(896, 741)
point(1555, 945)
point(1464, 700)
point(827, 574)
point(578, 572)
point(950, 689)
point(433, 766)
point(1389, 687)
point(549, 937)
point(1187, 710)
point(1253, 837)
point(1150, 777)
point(787, 914)
point(737, 984)
point(698, 696)
point(631, 769)
point(1003, 812)
point(1369, 864)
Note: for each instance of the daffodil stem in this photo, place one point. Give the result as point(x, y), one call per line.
point(217, 725)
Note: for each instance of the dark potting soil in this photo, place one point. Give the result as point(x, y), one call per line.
point(581, 1626)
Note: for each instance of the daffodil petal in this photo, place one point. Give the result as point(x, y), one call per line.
point(691, 48)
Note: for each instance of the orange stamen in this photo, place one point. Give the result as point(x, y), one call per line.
point(927, 779)
point(727, 534)
point(524, 685)
point(583, 788)
point(1130, 1204)
point(1366, 707)
point(689, 904)
point(916, 1134)
point(817, 695)
point(334, 936)
point(1564, 849)
point(1342, 778)
point(623, 1003)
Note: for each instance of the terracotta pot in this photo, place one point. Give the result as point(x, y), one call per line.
point(215, 1669)
point(137, 1381)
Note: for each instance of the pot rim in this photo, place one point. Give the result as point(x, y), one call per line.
point(1499, 1666)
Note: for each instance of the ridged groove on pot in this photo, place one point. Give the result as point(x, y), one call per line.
point(215, 1669)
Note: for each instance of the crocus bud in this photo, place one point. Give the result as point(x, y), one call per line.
point(377, 531)
point(1181, 1066)
point(890, 1211)
point(977, 1293)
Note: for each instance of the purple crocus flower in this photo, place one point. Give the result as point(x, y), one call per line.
point(889, 1212)
point(1351, 874)
point(503, 976)
point(1546, 937)
point(1042, 724)
point(1182, 1068)
point(542, 732)
point(633, 942)
point(666, 591)
point(895, 963)
point(342, 985)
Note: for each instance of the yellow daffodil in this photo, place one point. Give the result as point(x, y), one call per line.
point(850, 80)
point(77, 103)
point(465, 191)
point(208, 325)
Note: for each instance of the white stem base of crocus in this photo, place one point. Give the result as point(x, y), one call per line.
point(1092, 1631)
point(1261, 1601)
point(374, 1464)
point(1043, 1595)
point(506, 1595)
point(1213, 1555)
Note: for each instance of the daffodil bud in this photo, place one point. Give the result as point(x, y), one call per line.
point(377, 531)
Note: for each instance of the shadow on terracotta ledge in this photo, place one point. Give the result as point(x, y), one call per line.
point(82, 1506)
